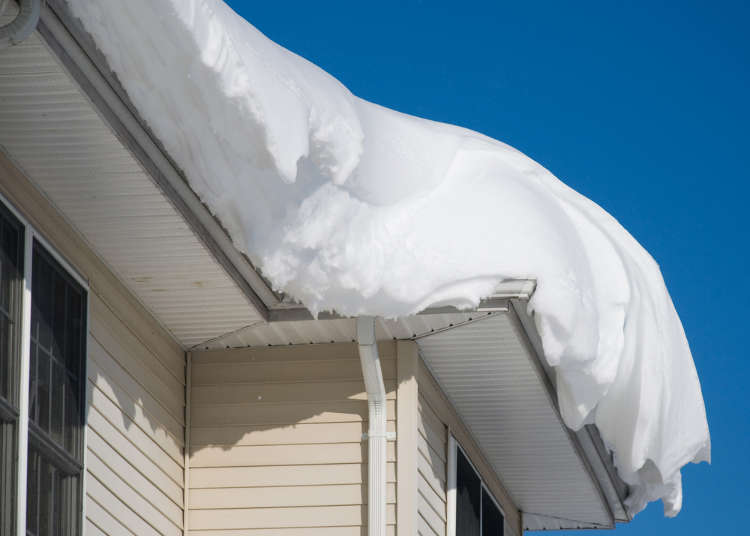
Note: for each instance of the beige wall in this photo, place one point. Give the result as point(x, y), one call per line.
point(276, 442)
point(431, 471)
point(276, 434)
point(437, 418)
point(135, 414)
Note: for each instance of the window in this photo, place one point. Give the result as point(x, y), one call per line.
point(11, 285)
point(43, 356)
point(474, 511)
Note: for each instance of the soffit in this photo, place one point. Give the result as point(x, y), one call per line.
point(485, 366)
point(54, 134)
point(487, 371)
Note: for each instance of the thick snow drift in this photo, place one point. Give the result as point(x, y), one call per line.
point(349, 206)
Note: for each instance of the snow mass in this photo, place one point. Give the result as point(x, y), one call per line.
point(352, 207)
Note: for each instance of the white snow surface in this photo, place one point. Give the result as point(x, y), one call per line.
point(353, 207)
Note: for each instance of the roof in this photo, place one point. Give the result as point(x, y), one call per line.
point(177, 259)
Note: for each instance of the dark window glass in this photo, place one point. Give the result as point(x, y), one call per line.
point(56, 397)
point(11, 280)
point(7, 477)
point(492, 519)
point(11, 289)
point(57, 353)
point(53, 497)
point(468, 489)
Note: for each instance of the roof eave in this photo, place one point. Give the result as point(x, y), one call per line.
point(75, 49)
point(587, 441)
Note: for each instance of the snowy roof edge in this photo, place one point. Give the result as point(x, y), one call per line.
point(587, 440)
point(78, 53)
point(673, 496)
point(73, 46)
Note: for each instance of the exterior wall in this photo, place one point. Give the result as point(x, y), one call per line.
point(436, 419)
point(276, 443)
point(432, 447)
point(135, 413)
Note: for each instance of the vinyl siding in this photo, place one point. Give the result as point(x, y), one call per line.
point(135, 389)
point(135, 430)
point(436, 417)
point(432, 443)
point(276, 441)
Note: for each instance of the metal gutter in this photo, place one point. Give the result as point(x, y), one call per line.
point(587, 442)
point(75, 49)
point(377, 432)
point(520, 289)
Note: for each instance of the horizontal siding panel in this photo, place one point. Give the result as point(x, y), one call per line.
point(356, 530)
point(92, 530)
point(424, 528)
point(118, 509)
point(431, 497)
point(426, 512)
point(344, 432)
point(117, 416)
point(280, 392)
point(135, 501)
point(431, 427)
point(433, 476)
point(131, 440)
point(144, 366)
point(321, 516)
point(294, 371)
point(277, 439)
point(128, 416)
point(141, 483)
point(282, 413)
point(431, 442)
point(104, 522)
point(114, 380)
point(436, 457)
point(106, 324)
point(286, 475)
point(284, 496)
point(109, 438)
point(298, 454)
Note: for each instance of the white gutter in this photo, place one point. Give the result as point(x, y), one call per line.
point(377, 433)
point(22, 25)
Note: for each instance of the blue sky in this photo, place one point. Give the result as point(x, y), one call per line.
point(643, 107)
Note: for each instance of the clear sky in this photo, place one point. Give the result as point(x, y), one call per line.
point(643, 107)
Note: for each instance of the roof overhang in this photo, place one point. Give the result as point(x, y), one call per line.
point(489, 364)
point(67, 124)
point(493, 372)
point(66, 121)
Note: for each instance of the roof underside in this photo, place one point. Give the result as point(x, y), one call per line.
point(51, 129)
point(487, 366)
point(487, 370)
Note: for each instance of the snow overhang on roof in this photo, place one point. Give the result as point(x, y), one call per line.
point(257, 303)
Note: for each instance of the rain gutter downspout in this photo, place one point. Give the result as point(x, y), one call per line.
point(22, 25)
point(377, 432)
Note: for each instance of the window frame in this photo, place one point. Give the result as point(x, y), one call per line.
point(11, 368)
point(454, 447)
point(31, 235)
